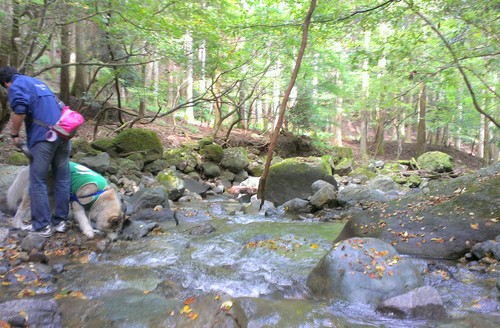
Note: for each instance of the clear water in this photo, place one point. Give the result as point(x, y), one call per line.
point(265, 259)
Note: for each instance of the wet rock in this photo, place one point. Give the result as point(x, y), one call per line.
point(40, 313)
point(133, 230)
point(4, 233)
point(150, 214)
point(296, 205)
point(149, 198)
point(423, 302)
point(364, 270)
point(203, 229)
point(33, 241)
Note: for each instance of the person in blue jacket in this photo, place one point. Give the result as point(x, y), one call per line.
point(31, 99)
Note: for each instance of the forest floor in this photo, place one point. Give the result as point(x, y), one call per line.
point(173, 135)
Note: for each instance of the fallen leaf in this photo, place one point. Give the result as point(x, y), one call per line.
point(474, 226)
point(190, 300)
point(186, 309)
point(193, 315)
point(314, 246)
point(4, 324)
point(226, 305)
point(438, 240)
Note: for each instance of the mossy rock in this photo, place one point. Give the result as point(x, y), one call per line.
point(435, 161)
point(392, 168)
point(184, 159)
point(142, 141)
point(293, 177)
point(362, 172)
point(338, 153)
point(344, 166)
point(18, 159)
point(79, 145)
point(235, 159)
point(103, 144)
point(205, 141)
point(212, 152)
point(414, 181)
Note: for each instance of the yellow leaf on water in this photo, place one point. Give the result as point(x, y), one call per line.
point(193, 316)
point(474, 226)
point(186, 309)
point(23, 314)
point(226, 305)
point(314, 246)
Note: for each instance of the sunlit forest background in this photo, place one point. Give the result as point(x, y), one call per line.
point(424, 72)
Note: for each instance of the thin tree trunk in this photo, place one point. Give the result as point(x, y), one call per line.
point(80, 82)
point(421, 146)
point(65, 59)
point(261, 193)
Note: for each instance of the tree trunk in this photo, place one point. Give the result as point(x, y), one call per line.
point(65, 59)
point(421, 146)
point(274, 138)
point(363, 149)
point(189, 113)
point(80, 82)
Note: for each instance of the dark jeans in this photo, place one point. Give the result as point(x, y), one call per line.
point(54, 156)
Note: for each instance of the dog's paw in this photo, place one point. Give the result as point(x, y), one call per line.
point(89, 233)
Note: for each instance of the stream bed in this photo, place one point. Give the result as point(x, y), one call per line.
point(263, 261)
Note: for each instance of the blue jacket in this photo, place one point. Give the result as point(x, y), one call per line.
point(30, 96)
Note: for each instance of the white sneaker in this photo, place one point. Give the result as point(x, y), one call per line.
point(44, 232)
point(61, 226)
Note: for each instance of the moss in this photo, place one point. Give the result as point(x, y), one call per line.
point(212, 152)
point(103, 144)
point(338, 153)
point(18, 159)
point(363, 171)
point(435, 161)
point(81, 145)
point(142, 141)
point(205, 141)
point(137, 139)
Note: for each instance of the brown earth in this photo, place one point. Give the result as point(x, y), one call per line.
point(173, 135)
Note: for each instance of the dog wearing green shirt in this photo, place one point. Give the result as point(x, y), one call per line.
point(92, 199)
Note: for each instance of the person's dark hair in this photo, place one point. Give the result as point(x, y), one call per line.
point(6, 73)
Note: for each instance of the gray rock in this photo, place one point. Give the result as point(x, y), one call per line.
point(296, 205)
point(41, 313)
point(148, 198)
point(235, 159)
point(99, 163)
point(33, 241)
point(423, 302)
point(210, 170)
point(352, 195)
point(327, 195)
point(133, 230)
point(364, 270)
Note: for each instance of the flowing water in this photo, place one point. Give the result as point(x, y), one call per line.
point(265, 259)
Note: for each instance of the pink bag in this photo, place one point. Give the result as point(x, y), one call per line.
point(68, 123)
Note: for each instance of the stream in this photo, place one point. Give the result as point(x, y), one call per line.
point(265, 259)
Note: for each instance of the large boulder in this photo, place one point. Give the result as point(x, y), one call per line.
point(292, 178)
point(445, 223)
point(435, 161)
point(363, 270)
point(141, 141)
point(235, 159)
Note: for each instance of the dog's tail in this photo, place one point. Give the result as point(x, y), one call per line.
point(17, 189)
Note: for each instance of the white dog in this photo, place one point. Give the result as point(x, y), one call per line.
point(93, 199)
